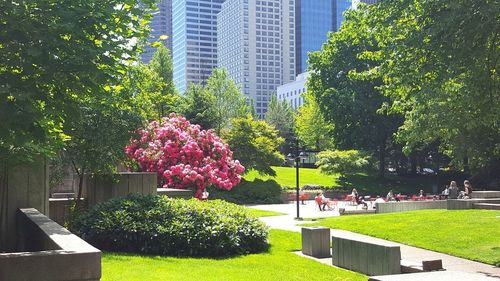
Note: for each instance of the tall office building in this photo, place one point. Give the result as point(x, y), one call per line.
point(194, 31)
point(161, 24)
point(257, 46)
point(314, 20)
point(340, 7)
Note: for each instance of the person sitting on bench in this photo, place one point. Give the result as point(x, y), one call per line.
point(324, 202)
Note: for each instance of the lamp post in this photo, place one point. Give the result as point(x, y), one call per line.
point(298, 155)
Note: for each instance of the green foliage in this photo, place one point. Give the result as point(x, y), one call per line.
point(99, 134)
point(344, 162)
point(145, 90)
point(161, 64)
point(458, 232)
point(349, 101)
point(229, 100)
point(250, 192)
point(163, 226)
point(198, 106)
point(440, 62)
point(311, 127)
point(255, 144)
point(280, 115)
point(55, 54)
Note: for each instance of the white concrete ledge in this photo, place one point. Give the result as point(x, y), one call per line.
point(405, 206)
point(48, 251)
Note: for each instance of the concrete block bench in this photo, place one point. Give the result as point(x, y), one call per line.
point(316, 242)
point(365, 256)
point(49, 252)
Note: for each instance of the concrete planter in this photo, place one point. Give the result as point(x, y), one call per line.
point(22, 186)
point(48, 252)
point(316, 242)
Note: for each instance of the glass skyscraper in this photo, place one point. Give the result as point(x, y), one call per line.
point(257, 46)
point(340, 7)
point(161, 24)
point(194, 50)
point(314, 20)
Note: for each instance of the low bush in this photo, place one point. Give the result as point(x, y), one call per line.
point(177, 227)
point(250, 192)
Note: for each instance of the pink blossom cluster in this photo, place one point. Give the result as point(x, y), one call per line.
point(184, 156)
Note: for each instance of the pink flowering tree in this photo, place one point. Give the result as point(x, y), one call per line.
point(184, 156)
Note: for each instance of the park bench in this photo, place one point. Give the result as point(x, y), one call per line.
point(366, 256)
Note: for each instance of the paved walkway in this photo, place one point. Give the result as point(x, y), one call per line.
point(310, 210)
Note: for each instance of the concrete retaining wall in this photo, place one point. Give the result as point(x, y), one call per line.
point(463, 204)
point(100, 189)
point(485, 194)
point(405, 206)
point(22, 186)
point(48, 252)
point(366, 257)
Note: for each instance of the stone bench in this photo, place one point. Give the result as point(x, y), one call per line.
point(47, 251)
point(405, 206)
point(485, 194)
point(316, 242)
point(365, 256)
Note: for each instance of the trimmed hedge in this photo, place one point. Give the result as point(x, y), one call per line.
point(250, 192)
point(159, 225)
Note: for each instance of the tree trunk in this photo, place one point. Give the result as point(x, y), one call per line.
point(381, 159)
point(3, 206)
point(466, 166)
point(413, 163)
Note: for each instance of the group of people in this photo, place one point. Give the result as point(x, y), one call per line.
point(453, 192)
point(324, 202)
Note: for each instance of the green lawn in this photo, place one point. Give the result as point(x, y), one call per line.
point(365, 183)
point(278, 264)
point(471, 234)
point(286, 177)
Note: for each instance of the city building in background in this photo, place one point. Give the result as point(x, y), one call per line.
point(161, 24)
point(314, 19)
point(340, 6)
point(256, 44)
point(194, 36)
point(293, 92)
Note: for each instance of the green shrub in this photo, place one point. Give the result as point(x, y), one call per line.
point(165, 226)
point(250, 192)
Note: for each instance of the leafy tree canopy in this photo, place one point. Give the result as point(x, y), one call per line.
point(54, 54)
point(280, 115)
point(311, 127)
point(345, 162)
point(347, 100)
point(229, 100)
point(440, 64)
point(161, 63)
point(198, 106)
point(255, 144)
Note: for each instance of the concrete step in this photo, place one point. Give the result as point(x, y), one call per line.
point(486, 206)
point(486, 194)
point(411, 267)
point(63, 195)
